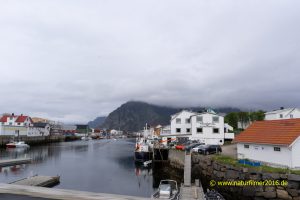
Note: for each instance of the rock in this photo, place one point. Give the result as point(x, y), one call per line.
point(255, 177)
point(259, 188)
point(296, 198)
point(216, 166)
point(231, 174)
point(259, 198)
point(282, 194)
point(269, 195)
point(283, 176)
point(293, 177)
point(249, 191)
point(245, 170)
point(268, 176)
point(269, 188)
point(292, 192)
point(293, 184)
point(220, 174)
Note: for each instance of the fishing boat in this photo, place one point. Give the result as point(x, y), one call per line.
point(142, 151)
point(167, 189)
point(19, 144)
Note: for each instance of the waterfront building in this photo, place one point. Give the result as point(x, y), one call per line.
point(274, 142)
point(207, 127)
point(16, 120)
point(22, 125)
point(283, 113)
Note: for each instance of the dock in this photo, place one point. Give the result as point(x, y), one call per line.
point(52, 193)
point(187, 190)
point(12, 162)
point(41, 181)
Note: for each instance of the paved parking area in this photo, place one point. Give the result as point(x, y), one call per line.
point(230, 150)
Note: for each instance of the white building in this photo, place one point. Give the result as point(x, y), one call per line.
point(275, 142)
point(16, 120)
point(283, 113)
point(14, 125)
point(206, 127)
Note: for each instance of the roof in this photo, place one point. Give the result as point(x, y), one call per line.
point(280, 132)
point(5, 117)
point(289, 110)
point(20, 118)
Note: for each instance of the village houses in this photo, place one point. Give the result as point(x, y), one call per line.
point(22, 125)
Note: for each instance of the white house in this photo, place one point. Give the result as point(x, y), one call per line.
point(206, 127)
point(274, 142)
point(283, 113)
point(16, 120)
point(14, 125)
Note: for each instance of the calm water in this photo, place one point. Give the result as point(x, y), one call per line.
point(105, 166)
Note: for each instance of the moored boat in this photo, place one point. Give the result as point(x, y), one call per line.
point(167, 189)
point(19, 144)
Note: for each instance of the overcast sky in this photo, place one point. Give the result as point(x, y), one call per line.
point(72, 60)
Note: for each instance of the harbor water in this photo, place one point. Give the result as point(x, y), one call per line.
point(104, 166)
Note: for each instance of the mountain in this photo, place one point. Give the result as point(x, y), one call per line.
point(133, 115)
point(96, 123)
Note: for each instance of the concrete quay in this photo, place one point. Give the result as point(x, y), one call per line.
point(61, 194)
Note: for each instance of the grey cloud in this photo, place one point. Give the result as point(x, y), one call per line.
point(75, 60)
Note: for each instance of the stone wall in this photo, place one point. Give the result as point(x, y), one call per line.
point(32, 140)
point(204, 167)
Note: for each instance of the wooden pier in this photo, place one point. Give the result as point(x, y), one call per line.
point(12, 162)
point(41, 181)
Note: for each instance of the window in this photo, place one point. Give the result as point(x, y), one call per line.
point(178, 121)
point(18, 123)
point(291, 116)
point(277, 149)
point(281, 115)
point(10, 123)
point(187, 121)
point(199, 130)
point(188, 130)
point(246, 146)
point(11, 118)
point(216, 119)
point(199, 119)
point(215, 130)
point(178, 130)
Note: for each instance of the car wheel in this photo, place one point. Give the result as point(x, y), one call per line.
point(206, 153)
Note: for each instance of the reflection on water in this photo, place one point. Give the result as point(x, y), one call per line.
point(98, 166)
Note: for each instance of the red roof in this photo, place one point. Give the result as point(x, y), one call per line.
point(4, 118)
point(280, 132)
point(20, 119)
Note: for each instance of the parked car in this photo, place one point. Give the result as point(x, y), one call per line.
point(209, 149)
point(196, 148)
point(182, 146)
point(191, 146)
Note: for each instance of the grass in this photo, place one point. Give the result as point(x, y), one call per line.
point(263, 168)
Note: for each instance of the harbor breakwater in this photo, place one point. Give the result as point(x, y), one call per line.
point(32, 140)
point(209, 171)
